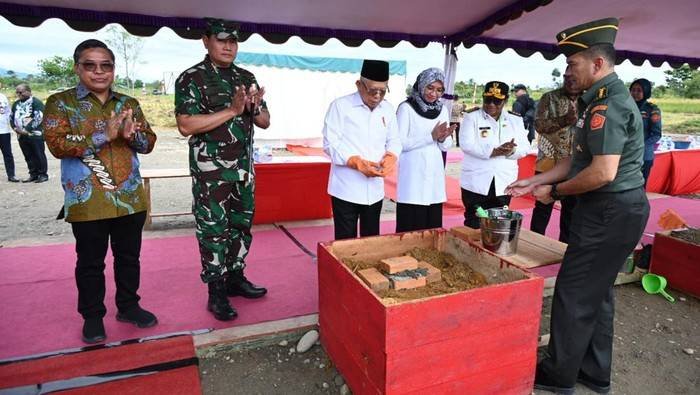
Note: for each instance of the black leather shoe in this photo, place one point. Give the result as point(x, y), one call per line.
point(30, 179)
point(138, 316)
point(42, 179)
point(597, 386)
point(93, 331)
point(218, 303)
point(13, 179)
point(546, 383)
point(238, 285)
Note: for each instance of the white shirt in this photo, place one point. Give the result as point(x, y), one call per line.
point(5, 110)
point(479, 134)
point(421, 171)
point(350, 129)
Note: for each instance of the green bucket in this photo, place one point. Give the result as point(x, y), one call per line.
point(655, 284)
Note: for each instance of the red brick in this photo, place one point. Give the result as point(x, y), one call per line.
point(398, 264)
point(434, 273)
point(409, 283)
point(374, 279)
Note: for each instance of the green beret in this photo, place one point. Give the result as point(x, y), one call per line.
point(579, 38)
point(222, 29)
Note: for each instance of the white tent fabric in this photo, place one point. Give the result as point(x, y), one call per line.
point(298, 100)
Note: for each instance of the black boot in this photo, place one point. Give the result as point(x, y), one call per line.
point(218, 303)
point(238, 285)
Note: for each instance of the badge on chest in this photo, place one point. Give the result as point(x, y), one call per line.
point(484, 131)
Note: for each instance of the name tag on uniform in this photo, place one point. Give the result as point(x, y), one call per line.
point(579, 123)
point(485, 131)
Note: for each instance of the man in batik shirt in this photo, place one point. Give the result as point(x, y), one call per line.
point(97, 134)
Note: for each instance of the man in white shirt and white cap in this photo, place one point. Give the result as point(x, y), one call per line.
point(361, 136)
point(492, 140)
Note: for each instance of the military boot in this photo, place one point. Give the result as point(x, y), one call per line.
point(238, 285)
point(218, 303)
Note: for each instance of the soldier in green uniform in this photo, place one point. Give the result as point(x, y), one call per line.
point(216, 105)
point(605, 174)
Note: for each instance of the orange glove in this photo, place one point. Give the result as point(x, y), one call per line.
point(368, 168)
point(388, 163)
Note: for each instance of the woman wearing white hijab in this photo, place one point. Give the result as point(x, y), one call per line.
point(423, 127)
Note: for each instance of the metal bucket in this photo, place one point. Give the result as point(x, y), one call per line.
point(500, 231)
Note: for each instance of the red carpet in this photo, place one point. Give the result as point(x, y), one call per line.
point(38, 293)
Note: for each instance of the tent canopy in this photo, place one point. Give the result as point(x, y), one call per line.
point(650, 30)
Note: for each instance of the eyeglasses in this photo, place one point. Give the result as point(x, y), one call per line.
point(375, 91)
point(92, 66)
point(493, 100)
point(432, 89)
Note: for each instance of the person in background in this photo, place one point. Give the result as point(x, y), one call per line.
point(555, 117)
point(424, 134)
point(456, 116)
point(361, 136)
point(25, 119)
point(97, 134)
point(6, 138)
point(651, 118)
point(525, 106)
point(217, 104)
point(492, 141)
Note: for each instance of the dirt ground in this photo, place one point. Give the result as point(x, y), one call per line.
point(656, 344)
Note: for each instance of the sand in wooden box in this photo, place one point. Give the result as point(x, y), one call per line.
point(478, 340)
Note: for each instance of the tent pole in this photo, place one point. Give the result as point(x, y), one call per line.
point(450, 69)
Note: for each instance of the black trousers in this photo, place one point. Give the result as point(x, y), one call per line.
point(605, 229)
point(646, 169)
point(34, 155)
point(346, 215)
point(8, 159)
point(471, 200)
point(91, 238)
point(416, 216)
point(542, 212)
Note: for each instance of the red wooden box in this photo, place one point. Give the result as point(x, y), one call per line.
point(479, 341)
point(678, 261)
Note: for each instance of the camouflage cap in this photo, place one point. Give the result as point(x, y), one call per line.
point(581, 37)
point(222, 29)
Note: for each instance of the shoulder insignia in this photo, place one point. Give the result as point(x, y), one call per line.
point(602, 93)
point(515, 113)
point(600, 107)
point(472, 109)
point(597, 121)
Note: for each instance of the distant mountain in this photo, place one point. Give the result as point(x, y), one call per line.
point(3, 72)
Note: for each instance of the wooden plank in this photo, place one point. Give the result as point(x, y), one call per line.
point(410, 325)
point(678, 261)
point(513, 379)
point(413, 369)
point(248, 332)
point(534, 250)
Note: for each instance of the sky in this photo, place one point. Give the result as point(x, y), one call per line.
point(166, 52)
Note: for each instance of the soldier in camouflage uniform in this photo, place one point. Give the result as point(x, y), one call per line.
point(216, 105)
point(554, 121)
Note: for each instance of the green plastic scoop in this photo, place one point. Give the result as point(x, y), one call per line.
point(481, 213)
point(655, 284)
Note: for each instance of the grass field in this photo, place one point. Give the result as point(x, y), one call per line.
point(680, 116)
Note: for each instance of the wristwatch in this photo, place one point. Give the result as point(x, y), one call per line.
point(554, 193)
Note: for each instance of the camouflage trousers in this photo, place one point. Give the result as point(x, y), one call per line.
point(223, 212)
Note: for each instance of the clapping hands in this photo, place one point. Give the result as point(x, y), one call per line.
point(441, 131)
